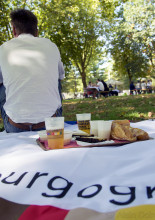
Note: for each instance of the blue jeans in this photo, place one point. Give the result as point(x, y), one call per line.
point(9, 128)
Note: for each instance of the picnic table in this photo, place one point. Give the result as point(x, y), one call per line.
point(142, 91)
point(96, 180)
point(94, 91)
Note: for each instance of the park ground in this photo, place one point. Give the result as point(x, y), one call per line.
point(134, 108)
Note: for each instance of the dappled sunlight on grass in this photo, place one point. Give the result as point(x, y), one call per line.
point(112, 108)
point(133, 108)
point(70, 103)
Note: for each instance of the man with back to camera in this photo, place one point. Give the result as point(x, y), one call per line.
point(29, 66)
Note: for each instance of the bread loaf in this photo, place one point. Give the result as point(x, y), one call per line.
point(140, 134)
point(121, 130)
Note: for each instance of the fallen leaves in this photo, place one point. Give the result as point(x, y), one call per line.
point(134, 108)
point(122, 114)
point(141, 115)
point(150, 114)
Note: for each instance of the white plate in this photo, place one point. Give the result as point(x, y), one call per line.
point(81, 143)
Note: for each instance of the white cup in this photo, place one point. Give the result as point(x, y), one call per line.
point(55, 132)
point(94, 127)
point(83, 121)
point(52, 123)
point(104, 129)
point(42, 135)
point(67, 136)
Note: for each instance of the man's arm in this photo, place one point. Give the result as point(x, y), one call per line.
point(1, 77)
point(61, 70)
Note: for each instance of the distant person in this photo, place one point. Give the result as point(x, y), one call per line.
point(30, 74)
point(138, 87)
point(132, 88)
point(149, 86)
point(106, 89)
point(110, 90)
point(89, 85)
point(105, 85)
point(100, 85)
point(143, 85)
point(91, 91)
point(110, 87)
point(113, 92)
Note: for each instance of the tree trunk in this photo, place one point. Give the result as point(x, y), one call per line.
point(129, 75)
point(83, 75)
point(82, 71)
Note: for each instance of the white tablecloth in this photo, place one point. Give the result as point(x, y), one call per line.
point(104, 179)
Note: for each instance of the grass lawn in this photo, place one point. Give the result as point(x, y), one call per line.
point(1, 124)
point(134, 108)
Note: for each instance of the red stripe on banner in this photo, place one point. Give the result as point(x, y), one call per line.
point(35, 212)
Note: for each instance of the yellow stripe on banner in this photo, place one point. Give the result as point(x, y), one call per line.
point(143, 212)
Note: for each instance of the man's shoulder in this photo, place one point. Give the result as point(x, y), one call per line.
point(7, 42)
point(41, 39)
point(46, 40)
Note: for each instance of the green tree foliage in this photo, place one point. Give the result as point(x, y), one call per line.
point(129, 59)
point(84, 29)
point(5, 28)
point(141, 24)
point(76, 27)
point(131, 38)
point(109, 7)
point(5, 8)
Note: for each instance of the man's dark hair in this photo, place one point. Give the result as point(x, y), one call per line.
point(24, 21)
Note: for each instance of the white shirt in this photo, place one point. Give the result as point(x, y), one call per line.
point(89, 86)
point(143, 85)
point(100, 85)
point(61, 70)
point(149, 84)
point(1, 77)
point(138, 86)
point(30, 74)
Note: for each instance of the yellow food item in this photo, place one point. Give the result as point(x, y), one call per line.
point(140, 134)
point(122, 122)
point(121, 130)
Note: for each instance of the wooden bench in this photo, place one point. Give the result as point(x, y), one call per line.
point(144, 91)
point(133, 91)
point(104, 93)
